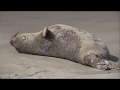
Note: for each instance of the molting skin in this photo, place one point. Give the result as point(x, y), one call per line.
point(67, 42)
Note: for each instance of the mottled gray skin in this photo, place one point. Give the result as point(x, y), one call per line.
point(65, 42)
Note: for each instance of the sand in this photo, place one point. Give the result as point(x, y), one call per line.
point(14, 65)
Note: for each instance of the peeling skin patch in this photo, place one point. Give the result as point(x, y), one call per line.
point(71, 43)
point(70, 38)
point(97, 39)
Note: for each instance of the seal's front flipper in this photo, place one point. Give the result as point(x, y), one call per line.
point(99, 63)
point(104, 64)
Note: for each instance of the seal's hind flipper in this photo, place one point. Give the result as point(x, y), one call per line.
point(99, 63)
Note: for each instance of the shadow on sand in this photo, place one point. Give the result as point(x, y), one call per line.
point(114, 58)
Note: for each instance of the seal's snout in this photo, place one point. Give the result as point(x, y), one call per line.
point(11, 42)
point(13, 39)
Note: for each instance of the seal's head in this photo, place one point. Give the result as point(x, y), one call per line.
point(32, 42)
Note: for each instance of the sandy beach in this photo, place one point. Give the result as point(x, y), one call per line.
point(14, 65)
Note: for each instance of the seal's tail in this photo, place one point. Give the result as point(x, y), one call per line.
point(100, 63)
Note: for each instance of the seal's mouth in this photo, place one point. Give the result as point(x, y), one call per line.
point(13, 39)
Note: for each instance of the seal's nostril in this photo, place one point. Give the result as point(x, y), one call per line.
point(11, 42)
point(13, 39)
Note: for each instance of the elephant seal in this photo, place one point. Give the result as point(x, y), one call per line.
point(66, 42)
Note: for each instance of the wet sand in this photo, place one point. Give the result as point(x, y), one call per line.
point(14, 65)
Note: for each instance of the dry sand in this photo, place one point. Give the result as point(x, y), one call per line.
point(14, 65)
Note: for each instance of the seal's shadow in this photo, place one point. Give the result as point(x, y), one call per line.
point(114, 58)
